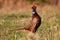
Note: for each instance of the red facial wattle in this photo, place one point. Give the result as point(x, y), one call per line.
point(34, 7)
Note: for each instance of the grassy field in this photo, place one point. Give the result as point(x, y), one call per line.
point(49, 29)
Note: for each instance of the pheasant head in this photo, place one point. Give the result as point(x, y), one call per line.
point(34, 9)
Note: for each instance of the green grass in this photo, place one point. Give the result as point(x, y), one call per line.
point(49, 29)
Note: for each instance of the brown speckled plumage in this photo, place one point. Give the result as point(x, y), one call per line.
point(35, 23)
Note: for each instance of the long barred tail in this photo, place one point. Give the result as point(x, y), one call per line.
point(17, 29)
point(20, 29)
point(25, 28)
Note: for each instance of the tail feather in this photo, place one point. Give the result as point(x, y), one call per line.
point(25, 28)
point(17, 29)
point(20, 29)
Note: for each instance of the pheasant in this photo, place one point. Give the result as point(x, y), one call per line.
point(35, 22)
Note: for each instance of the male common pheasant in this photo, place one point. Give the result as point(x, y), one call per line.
point(35, 22)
